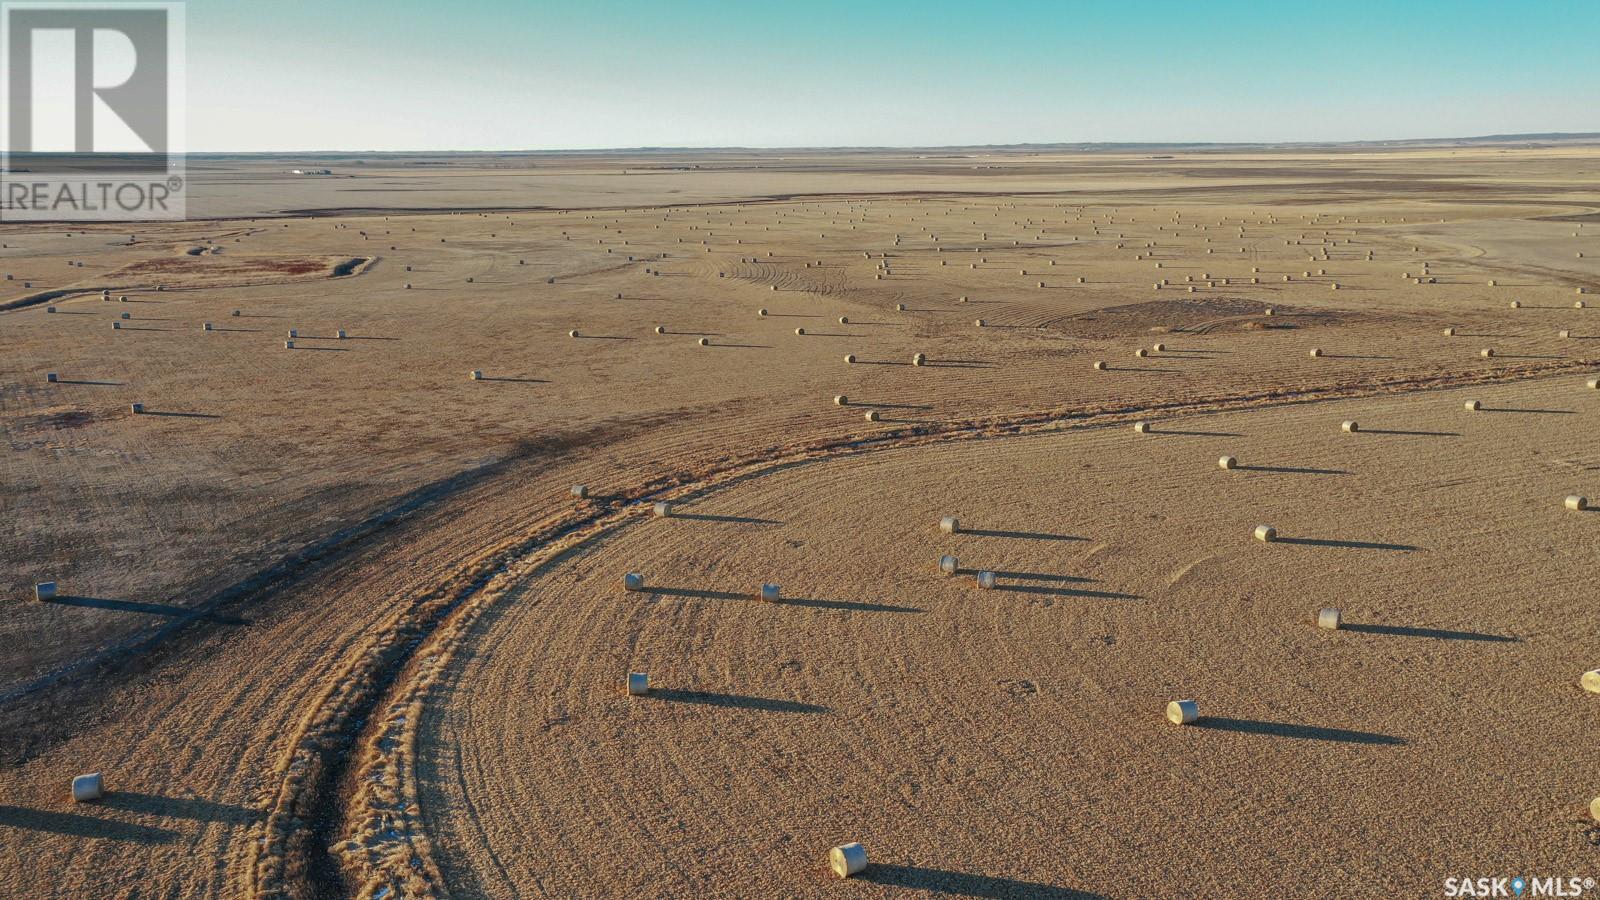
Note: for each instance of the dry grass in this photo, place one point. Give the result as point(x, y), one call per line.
point(336, 618)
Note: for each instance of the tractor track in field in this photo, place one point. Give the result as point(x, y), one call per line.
point(344, 814)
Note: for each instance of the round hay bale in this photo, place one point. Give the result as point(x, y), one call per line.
point(800, 331)
point(1099, 365)
point(844, 320)
point(950, 525)
point(1593, 384)
point(1329, 618)
point(1141, 353)
point(633, 581)
point(573, 333)
point(1591, 681)
point(770, 593)
point(841, 400)
point(1316, 351)
point(1486, 353)
point(638, 684)
point(661, 329)
point(288, 345)
point(1350, 426)
point(978, 323)
point(1227, 462)
point(126, 316)
point(1449, 332)
point(949, 565)
point(1269, 311)
point(1266, 534)
point(919, 360)
point(704, 342)
point(872, 415)
point(1142, 427)
point(88, 788)
point(49, 309)
point(1564, 334)
point(1578, 305)
point(476, 374)
point(899, 307)
point(662, 510)
point(341, 334)
point(1473, 405)
point(1576, 503)
point(1516, 304)
point(1183, 712)
point(848, 859)
point(44, 591)
point(849, 359)
point(580, 491)
point(986, 581)
point(1594, 809)
point(1159, 348)
point(762, 312)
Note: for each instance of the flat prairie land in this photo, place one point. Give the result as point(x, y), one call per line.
point(331, 620)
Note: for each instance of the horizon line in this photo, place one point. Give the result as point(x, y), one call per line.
point(1551, 136)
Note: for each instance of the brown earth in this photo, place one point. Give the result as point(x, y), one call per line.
point(331, 622)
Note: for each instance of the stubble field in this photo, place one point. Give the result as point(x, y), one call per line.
point(330, 620)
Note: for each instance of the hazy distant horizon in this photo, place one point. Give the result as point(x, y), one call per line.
point(1551, 137)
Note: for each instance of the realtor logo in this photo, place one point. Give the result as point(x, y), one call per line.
point(94, 117)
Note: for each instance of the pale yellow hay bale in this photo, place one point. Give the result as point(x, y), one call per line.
point(1183, 712)
point(847, 859)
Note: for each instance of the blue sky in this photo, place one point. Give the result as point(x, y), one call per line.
point(465, 75)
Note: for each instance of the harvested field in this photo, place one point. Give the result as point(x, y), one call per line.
point(331, 620)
